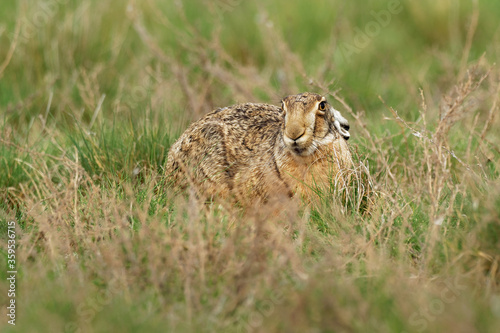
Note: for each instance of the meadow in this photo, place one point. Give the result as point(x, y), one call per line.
point(93, 93)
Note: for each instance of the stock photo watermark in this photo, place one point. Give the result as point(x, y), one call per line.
point(227, 5)
point(11, 272)
point(90, 307)
point(46, 11)
point(452, 288)
point(265, 308)
point(363, 37)
point(141, 92)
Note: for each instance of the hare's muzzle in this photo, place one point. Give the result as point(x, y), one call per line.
point(297, 140)
point(295, 134)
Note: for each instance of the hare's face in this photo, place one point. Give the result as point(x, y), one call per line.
point(310, 122)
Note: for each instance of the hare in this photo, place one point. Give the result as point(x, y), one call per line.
point(261, 150)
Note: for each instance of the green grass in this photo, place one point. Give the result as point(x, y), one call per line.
point(94, 96)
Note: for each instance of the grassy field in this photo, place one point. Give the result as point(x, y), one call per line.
point(93, 93)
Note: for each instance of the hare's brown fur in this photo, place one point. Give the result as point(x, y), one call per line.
point(262, 150)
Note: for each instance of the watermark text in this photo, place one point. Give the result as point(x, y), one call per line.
point(11, 272)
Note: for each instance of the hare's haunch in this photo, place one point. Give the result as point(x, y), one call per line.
point(262, 150)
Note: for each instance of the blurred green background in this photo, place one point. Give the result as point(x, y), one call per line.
point(93, 93)
point(422, 46)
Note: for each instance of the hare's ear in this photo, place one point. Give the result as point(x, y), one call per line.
point(283, 106)
point(341, 124)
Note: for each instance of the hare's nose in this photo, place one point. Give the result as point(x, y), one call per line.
point(295, 135)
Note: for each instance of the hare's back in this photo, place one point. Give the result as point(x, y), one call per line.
point(237, 131)
point(221, 149)
point(246, 129)
point(248, 115)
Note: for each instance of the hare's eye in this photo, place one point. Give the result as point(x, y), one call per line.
point(322, 107)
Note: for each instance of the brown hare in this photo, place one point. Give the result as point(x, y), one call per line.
point(261, 150)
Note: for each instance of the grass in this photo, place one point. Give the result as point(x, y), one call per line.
point(92, 95)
